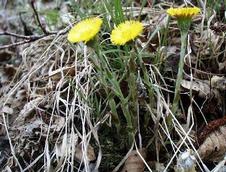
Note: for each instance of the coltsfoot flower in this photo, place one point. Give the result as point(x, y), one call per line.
point(184, 19)
point(183, 13)
point(85, 30)
point(126, 32)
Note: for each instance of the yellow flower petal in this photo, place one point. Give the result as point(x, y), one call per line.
point(126, 32)
point(85, 30)
point(183, 13)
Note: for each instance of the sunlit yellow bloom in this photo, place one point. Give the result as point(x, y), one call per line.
point(85, 30)
point(183, 13)
point(126, 32)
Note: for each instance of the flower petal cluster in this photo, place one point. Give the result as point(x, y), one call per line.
point(85, 30)
point(126, 32)
point(183, 13)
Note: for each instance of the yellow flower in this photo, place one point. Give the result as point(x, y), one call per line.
point(85, 30)
point(126, 32)
point(183, 13)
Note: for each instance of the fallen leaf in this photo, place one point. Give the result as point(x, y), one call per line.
point(218, 82)
point(213, 141)
point(201, 87)
point(134, 163)
point(79, 152)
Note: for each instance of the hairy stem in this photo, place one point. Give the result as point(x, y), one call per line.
point(176, 99)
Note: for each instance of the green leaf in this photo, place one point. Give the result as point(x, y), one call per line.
point(115, 116)
point(52, 16)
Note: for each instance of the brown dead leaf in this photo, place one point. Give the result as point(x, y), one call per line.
point(213, 141)
point(218, 82)
point(25, 113)
point(90, 153)
point(134, 163)
point(211, 127)
point(201, 87)
point(208, 39)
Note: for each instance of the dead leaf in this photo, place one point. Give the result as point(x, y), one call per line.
point(79, 152)
point(201, 87)
point(202, 44)
point(134, 163)
point(213, 147)
point(218, 82)
point(211, 127)
point(25, 113)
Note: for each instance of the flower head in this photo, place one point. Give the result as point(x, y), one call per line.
point(85, 30)
point(183, 13)
point(126, 32)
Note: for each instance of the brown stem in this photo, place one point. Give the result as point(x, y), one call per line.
point(14, 44)
point(14, 35)
point(29, 39)
point(37, 17)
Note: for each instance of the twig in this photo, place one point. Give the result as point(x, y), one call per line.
point(14, 44)
point(29, 39)
point(37, 17)
point(14, 35)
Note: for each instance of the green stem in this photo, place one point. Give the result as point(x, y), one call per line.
point(176, 99)
point(127, 114)
point(132, 83)
point(103, 69)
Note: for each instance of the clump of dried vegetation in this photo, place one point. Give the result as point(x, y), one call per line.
point(77, 107)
